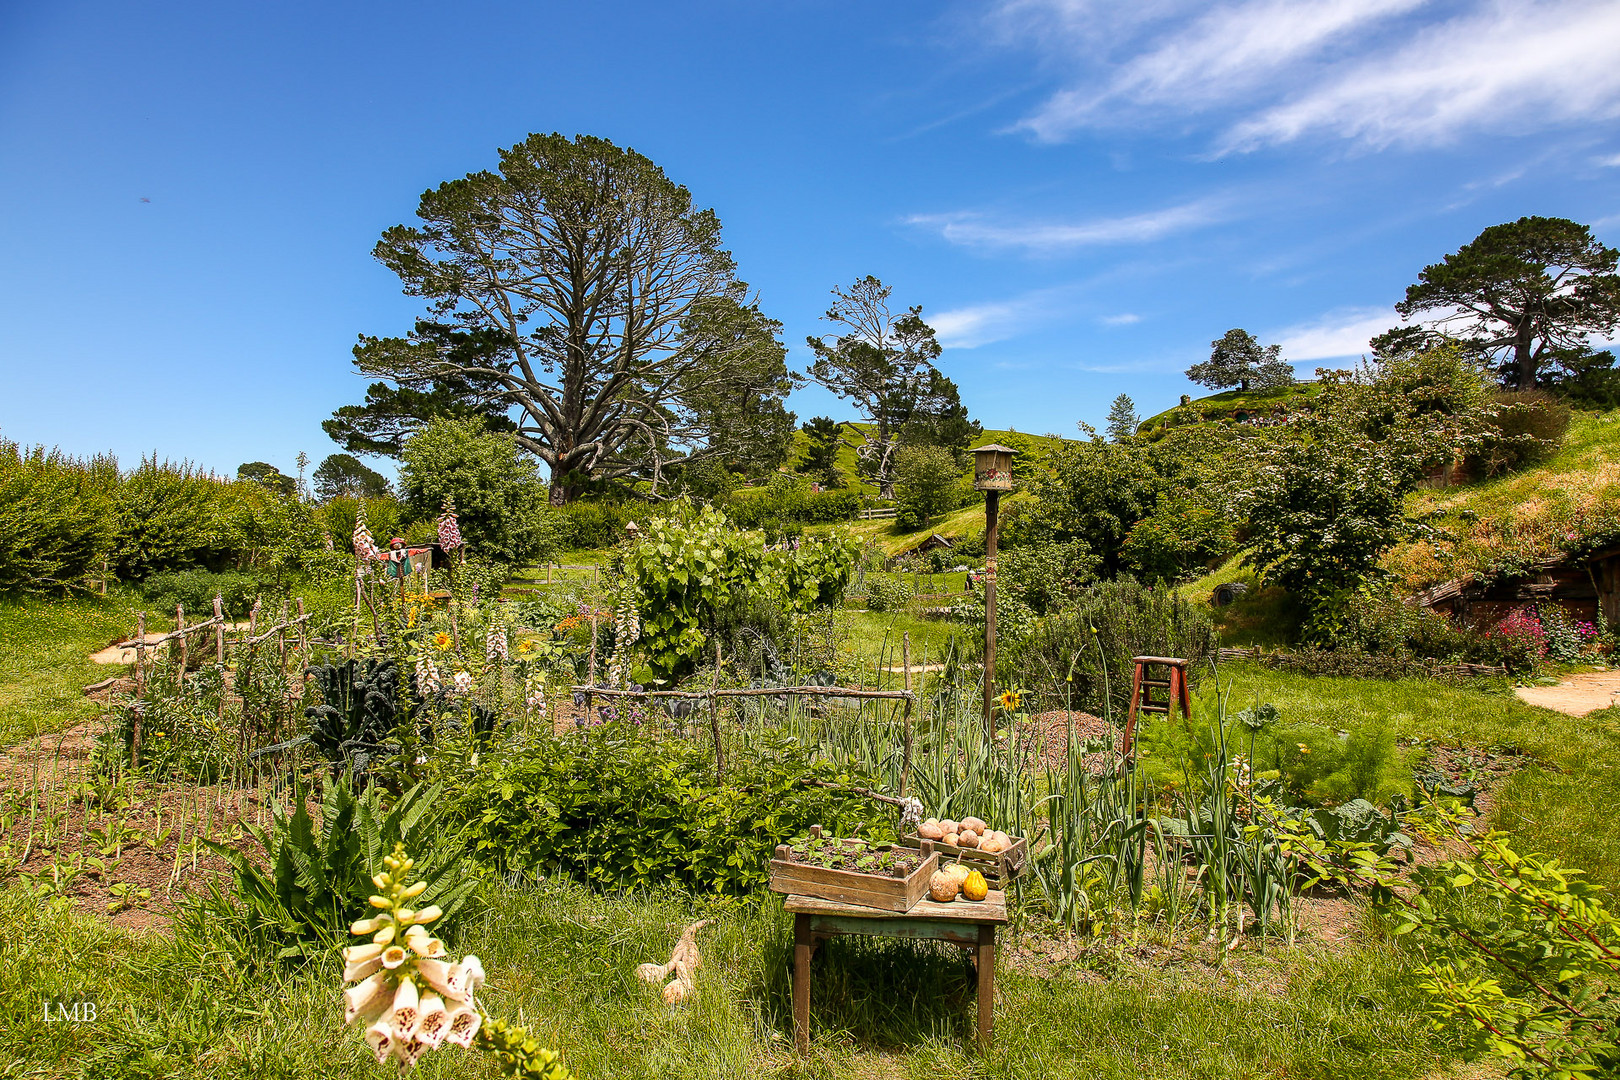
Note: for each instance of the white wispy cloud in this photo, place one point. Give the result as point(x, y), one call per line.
point(1610, 162)
point(1373, 72)
point(1508, 67)
point(1125, 318)
point(1229, 51)
point(1049, 237)
point(1339, 333)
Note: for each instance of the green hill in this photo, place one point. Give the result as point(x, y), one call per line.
point(1239, 405)
point(850, 472)
point(1569, 504)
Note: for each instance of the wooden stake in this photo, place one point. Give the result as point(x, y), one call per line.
point(219, 652)
point(905, 760)
point(303, 629)
point(992, 506)
point(589, 697)
point(180, 629)
point(140, 654)
point(714, 721)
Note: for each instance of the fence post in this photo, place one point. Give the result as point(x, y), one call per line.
point(140, 653)
point(590, 698)
point(303, 628)
point(180, 629)
point(219, 652)
point(140, 687)
point(905, 760)
point(714, 719)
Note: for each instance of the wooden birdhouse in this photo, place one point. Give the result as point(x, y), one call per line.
point(992, 467)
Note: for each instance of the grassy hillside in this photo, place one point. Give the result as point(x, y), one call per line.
point(850, 472)
point(1227, 405)
point(1569, 504)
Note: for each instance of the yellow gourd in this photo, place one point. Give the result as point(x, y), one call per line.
point(974, 887)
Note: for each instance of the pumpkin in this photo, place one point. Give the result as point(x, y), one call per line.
point(942, 886)
point(974, 887)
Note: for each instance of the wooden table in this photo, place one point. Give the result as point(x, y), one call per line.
point(971, 926)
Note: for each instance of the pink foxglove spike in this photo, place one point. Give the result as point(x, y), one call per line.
point(449, 528)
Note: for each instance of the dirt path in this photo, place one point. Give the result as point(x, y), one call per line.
point(1576, 695)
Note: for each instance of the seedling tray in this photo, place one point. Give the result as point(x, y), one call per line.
point(882, 891)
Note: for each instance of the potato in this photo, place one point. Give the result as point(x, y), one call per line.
point(932, 821)
point(950, 826)
point(968, 838)
point(952, 839)
point(992, 843)
point(929, 830)
point(976, 824)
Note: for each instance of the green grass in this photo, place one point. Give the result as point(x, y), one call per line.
point(1540, 512)
point(1222, 406)
point(849, 468)
point(1558, 803)
point(563, 961)
point(45, 664)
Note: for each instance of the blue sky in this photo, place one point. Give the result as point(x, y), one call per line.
point(1080, 193)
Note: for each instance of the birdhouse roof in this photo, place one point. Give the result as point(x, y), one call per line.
point(997, 447)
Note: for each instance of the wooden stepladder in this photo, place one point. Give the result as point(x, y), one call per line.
point(1142, 700)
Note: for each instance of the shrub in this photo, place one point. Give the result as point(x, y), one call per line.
point(620, 811)
point(1044, 577)
point(54, 519)
point(176, 517)
point(1567, 638)
point(596, 523)
point(319, 877)
point(1094, 643)
point(887, 592)
point(926, 482)
point(1373, 620)
point(196, 589)
point(692, 578)
point(1527, 428)
point(1519, 641)
point(500, 500)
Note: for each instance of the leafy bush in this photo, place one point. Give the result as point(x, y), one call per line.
point(1044, 577)
point(596, 523)
point(1524, 960)
point(927, 480)
point(1527, 428)
point(1567, 638)
point(887, 592)
point(177, 517)
point(689, 579)
point(196, 589)
point(54, 518)
point(788, 501)
point(1094, 643)
point(500, 499)
point(319, 876)
point(621, 811)
point(1520, 641)
point(1373, 620)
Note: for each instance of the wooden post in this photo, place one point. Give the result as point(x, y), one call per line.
point(140, 653)
point(714, 720)
point(219, 652)
point(180, 629)
point(104, 571)
point(985, 961)
point(591, 681)
point(905, 760)
point(803, 948)
point(303, 629)
point(281, 636)
point(140, 686)
point(548, 573)
point(992, 507)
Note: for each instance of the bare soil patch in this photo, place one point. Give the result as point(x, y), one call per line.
point(1575, 695)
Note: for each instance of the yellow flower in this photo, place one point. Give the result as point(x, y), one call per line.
point(441, 640)
point(1010, 700)
point(1303, 748)
point(526, 646)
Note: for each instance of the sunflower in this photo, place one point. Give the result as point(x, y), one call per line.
point(1010, 700)
point(526, 646)
point(441, 640)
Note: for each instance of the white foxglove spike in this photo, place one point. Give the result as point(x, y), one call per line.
point(464, 1021)
point(405, 1012)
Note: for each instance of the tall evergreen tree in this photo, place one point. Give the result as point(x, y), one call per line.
point(1122, 419)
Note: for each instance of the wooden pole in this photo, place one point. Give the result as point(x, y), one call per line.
point(140, 686)
point(140, 653)
point(180, 629)
point(591, 681)
point(219, 652)
point(905, 665)
point(714, 721)
point(992, 507)
point(303, 629)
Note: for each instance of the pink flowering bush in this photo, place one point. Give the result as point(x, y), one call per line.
point(1520, 640)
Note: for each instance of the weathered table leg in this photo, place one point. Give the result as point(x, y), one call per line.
point(985, 960)
point(802, 949)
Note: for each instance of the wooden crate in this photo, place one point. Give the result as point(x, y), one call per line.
point(999, 867)
point(850, 887)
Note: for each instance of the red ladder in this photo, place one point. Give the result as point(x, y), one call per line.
point(1142, 700)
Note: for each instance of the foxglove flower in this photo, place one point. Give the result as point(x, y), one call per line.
point(449, 528)
point(463, 682)
point(364, 546)
point(427, 676)
point(495, 644)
